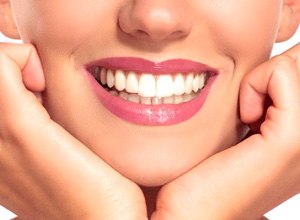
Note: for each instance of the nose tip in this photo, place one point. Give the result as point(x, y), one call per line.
point(154, 21)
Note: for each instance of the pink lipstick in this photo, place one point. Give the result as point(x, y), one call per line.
point(148, 93)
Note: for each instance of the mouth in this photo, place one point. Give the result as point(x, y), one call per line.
point(148, 93)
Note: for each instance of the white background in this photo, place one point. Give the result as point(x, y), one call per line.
point(289, 210)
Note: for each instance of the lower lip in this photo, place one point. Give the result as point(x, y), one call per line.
point(151, 115)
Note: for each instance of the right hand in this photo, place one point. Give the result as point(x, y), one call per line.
point(45, 173)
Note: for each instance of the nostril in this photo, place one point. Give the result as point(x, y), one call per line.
point(158, 35)
point(141, 33)
point(177, 34)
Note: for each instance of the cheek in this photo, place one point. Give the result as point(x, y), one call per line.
point(244, 28)
point(63, 24)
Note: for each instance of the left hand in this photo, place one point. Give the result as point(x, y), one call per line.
point(254, 176)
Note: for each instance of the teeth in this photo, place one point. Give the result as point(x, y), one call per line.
point(156, 101)
point(114, 93)
point(146, 100)
point(188, 97)
point(178, 99)
point(120, 83)
point(179, 85)
point(147, 86)
point(133, 98)
point(202, 80)
point(164, 87)
point(150, 89)
point(132, 83)
point(103, 76)
point(189, 83)
point(110, 78)
point(168, 100)
point(124, 95)
point(196, 83)
point(97, 73)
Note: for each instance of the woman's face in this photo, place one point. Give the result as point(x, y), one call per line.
point(159, 138)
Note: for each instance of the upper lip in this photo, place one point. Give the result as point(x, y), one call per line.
point(141, 65)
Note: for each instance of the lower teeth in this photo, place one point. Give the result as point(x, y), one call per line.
point(135, 98)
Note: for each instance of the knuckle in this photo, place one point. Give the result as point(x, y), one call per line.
point(284, 66)
point(282, 61)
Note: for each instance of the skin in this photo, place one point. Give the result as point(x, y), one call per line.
point(63, 56)
point(78, 126)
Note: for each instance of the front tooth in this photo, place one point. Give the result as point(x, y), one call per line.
point(202, 80)
point(147, 86)
point(179, 85)
point(120, 80)
point(164, 87)
point(110, 78)
point(103, 76)
point(132, 83)
point(189, 83)
point(156, 101)
point(196, 83)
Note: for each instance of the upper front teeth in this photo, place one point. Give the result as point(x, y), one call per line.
point(149, 85)
point(132, 83)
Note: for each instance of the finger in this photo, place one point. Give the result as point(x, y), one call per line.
point(19, 64)
point(294, 53)
point(33, 75)
point(247, 177)
point(279, 79)
point(26, 58)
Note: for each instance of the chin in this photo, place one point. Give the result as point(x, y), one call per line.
point(149, 162)
point(155, 166)
point(153, 173)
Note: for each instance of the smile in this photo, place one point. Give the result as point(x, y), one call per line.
point(150, 89)
point(148, 93)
